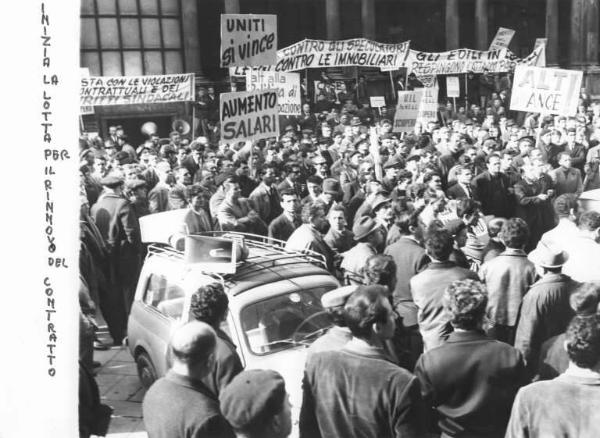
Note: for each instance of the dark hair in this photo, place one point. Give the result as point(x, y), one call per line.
point(564, 203)
point(407, 218)
point(493, 155)
point(209, 304)
point(286, 192)
point(439, 244)
point(515, 233)
point(583, 340)
point(380, 269)
point(429, 176)
point(314, 179)
point(467, 206)
point(310, 210)
point(465, 301)
point(364, 308)
point(337, 315)
point(589, 221)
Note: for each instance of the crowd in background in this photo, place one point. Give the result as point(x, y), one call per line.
point(468, 259)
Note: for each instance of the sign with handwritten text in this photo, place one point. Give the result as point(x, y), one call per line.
point(248, 39)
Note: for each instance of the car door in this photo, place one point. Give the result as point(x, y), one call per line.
point(158, 312)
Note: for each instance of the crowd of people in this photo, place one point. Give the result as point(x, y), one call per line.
point(471, 270)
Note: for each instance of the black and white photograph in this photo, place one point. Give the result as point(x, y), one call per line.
point(302, 218)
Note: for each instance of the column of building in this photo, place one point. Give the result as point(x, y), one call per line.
point(583, 44)
point(191, 38)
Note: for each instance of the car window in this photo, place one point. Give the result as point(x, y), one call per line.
point(285, 320)
point(167, 297)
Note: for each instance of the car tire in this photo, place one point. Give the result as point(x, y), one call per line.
point(146, 370)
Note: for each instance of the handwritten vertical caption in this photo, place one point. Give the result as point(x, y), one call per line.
point(49, 82)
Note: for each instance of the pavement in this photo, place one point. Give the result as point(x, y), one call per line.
point(120, 388)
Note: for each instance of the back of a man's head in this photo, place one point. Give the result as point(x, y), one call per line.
point(365, 307)
point(465, 302)
point(439, 244)
point(192, 346)
point(565, 205)
point(583, 341)
point(209, 304)
point(585, 300)
point(515, 233)
point(589, 221)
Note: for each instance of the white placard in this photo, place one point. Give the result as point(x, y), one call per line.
point(248, 39)
point(286, 84)
point(407, 110)
point(546, 90)
point(452, 86)
point(249, 115)
point(502, 38)
point(377, 101)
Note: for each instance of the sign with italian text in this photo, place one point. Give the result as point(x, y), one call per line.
point(287, 86)
point(407, 110)
point(358, 52)
point(428, 109)
point(377, 101)
point(248, 40)
point(128, 90)
point(249, 115)
point(502, 38)
point(546, 90)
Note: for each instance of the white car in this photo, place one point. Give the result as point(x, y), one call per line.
point(275, 309)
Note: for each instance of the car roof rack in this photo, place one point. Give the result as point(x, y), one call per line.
point(168, 251)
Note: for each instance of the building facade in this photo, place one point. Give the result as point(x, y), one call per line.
point(144, 37)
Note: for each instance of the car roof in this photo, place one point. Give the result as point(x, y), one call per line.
point(265, 264)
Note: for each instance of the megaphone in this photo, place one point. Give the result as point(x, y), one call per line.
point(181, 126)
point(149, 128)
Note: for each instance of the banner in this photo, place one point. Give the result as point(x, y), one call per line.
point(502, 38)
point(452, 86)
point(287, 86)
point(248, 39)
point(407, 110)
point(428, 110)
point(359, 52)
point(546, 90)
point(458, 61)
point(127, 90)
point(249, 115)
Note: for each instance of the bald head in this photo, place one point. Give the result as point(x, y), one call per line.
point(193, 343)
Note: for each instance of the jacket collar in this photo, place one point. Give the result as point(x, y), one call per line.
point(467, 336)
point(553, 278)
point(361, 348)
point(441, 265)
point(188, 382)
point(513, 252)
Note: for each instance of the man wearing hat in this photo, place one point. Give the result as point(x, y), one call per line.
point(549, 150)
point(330, 193)
point(371, 239)
point(115, 218)
point(545, 311)
point(179, 405)
point(339, 334)
point(138, 195)
point(256, 405)
point(391, 169)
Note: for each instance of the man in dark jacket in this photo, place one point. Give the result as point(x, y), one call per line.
point(492, 189)
point(286, 223)
point(471, 380)
point(357, 391)
point(179, 405)
point(545, 311)
point(118, 226)
point(210, 304)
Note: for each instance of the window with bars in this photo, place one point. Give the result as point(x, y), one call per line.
point(131, 37)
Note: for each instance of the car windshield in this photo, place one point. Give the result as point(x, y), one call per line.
point(284, 321)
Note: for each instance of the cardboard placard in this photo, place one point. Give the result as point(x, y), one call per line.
point(452, 86)
point(286, 84)
point(126, 90)
point(407, 110)
point(249, 115)
point(377, 101)
point(428, 110)
point(248, 39)
point(546, 90)
point(502, 38)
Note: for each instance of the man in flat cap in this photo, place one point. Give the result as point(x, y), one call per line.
point(179, 405)
point(118, 225)
point(256, 405)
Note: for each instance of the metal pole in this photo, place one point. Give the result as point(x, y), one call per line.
point(394, 98)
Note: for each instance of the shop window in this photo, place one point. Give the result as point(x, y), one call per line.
point(131, 37)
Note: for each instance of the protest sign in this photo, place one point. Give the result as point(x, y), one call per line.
point(240, 72)
point(248, 39)
point(359, 52)
point(377, 101)
point(407, 110)
point(249, 115)
point(287, 86)
point(125, 90)
point(502, 38)
point(457, 61)
point(546, 90)
point(452, 86)
point(428, 109)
